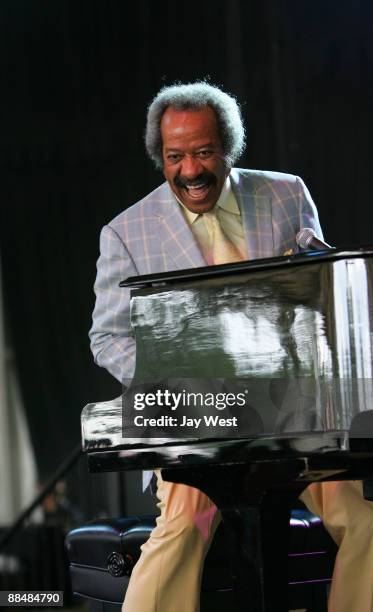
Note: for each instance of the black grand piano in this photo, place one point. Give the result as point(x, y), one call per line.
point(291, 334)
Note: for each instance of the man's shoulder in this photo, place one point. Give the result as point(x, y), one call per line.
point(149, 207)
point(260, 181)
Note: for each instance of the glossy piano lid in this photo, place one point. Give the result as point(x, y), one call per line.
point(191, 274)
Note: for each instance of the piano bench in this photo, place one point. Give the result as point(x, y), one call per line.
point(103, 553)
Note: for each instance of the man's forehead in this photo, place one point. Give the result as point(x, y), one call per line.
point(178, 117)
point(198, 124)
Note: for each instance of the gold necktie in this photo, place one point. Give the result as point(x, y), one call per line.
point(223, 250)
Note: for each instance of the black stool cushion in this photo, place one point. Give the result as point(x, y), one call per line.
point(102, 554)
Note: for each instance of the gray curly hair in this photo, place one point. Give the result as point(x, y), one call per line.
point(194, 96)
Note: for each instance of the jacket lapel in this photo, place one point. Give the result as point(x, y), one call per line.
point(256, 211)
point(177, 240)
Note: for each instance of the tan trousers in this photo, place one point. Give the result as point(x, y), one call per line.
point(167, 577)
point(349, 519)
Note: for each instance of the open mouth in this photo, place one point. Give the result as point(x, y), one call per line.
point(199, 191)
point(196, 189)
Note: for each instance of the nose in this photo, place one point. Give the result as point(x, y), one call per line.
point(191, 167)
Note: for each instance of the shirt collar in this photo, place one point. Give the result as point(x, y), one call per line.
point(226, 201)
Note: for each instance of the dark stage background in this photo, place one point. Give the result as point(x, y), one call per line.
point(76, 78)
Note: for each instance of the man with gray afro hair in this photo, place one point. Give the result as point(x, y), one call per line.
point(194, 96)
point(208, 212)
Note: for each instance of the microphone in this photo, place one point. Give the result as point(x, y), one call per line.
point(307, 239)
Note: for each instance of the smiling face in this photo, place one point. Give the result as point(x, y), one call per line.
point(193, 160)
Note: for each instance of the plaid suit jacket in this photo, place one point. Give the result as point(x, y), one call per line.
point(153, 236)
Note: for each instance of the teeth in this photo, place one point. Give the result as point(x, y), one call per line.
point(196, 186)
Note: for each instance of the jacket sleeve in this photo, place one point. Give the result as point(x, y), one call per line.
point(308, 215)
point(112, 341)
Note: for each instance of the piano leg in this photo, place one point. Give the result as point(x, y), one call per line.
point(257, 520)
point(258, 541)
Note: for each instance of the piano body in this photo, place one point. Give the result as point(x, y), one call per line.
point(294, 334)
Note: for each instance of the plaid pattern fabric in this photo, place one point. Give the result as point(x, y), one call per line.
point(153, 236)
